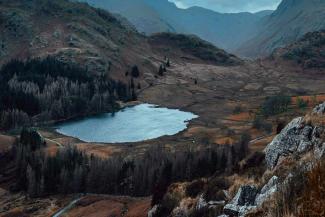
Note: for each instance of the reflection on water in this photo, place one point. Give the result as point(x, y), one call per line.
point(132, 124)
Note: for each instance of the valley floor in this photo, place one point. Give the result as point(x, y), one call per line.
point(219, 90)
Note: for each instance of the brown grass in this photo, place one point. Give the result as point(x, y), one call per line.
point(225, 140)
point(312, 202)
point(244, 116)
point(315, 120)
point(101, 206)
point(6, 142)
point(312, 100)
point(102, 151)
point(238, 181)
point(303, 195)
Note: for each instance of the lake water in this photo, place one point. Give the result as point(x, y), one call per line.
point(132, 124)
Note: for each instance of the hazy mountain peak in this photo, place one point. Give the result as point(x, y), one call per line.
point(291, 21)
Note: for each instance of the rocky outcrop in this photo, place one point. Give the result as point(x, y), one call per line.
point(267, 191)
point(242, 202)
point(152, 211)
point(319, 110)
point(180, 212)
point(201, 203)
point(249, 198)
point(297, 137)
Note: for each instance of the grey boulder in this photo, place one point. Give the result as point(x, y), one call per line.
point(242, 202)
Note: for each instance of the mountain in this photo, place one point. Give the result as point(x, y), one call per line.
point(73, 42)
point(192, 45)
point(71, 32)
point(151, 16)
point(77, 33)
point(264, 13)
point(307, 52)
point(138, 12)
point(291, 21)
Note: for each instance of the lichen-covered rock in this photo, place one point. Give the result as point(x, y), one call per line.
point(216, 203)
point(319, 150)
point(242, 202)
point(319, 110)
point(201, 203)
point(267, 191)
point(296, 136)
point(180, 212)
point(152, 211)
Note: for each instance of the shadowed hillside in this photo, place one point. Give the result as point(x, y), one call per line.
point(74, 32)
point(151, 16)
point(307, 52)
point(291, 21)
point(194, 46)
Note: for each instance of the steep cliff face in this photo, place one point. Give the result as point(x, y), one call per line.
point(291, 21)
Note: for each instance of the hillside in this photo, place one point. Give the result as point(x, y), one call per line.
point(163, 16)
point(63, 61)
point(138, 12)
point(71, 32)
point(286, 179)
point(74, 32)
point(76, 47)
point(252, 34)
point(194, 46)
point(308, 52)
point(290, 22)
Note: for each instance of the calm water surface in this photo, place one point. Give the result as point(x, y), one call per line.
point(132, 124)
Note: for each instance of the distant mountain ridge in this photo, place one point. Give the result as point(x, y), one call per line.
point(289, 23)
point(226, 31)
point(245, 34)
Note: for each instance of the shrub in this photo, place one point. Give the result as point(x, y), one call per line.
point(194, 188)
point(166, 206)
point(30, 137)
point(261, 124)
point(214, 189)
point(254, 165)
point(135, 72)
point(238, 109)
point(302, 104)
point(280, 126)
point(275, 105)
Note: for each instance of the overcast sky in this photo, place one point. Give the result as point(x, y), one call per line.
point(230, 6)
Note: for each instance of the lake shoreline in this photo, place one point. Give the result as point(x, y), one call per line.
point(138, 122)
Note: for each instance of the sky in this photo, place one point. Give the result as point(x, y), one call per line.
point(230, 6)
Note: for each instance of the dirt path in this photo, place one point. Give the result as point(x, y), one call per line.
point(106, 205)
point(55, 142)
point(67, 208)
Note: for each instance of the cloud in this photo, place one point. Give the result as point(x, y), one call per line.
point(230, 6)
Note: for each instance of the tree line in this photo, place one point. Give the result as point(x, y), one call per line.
point(73, 171)
point(48, 89)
